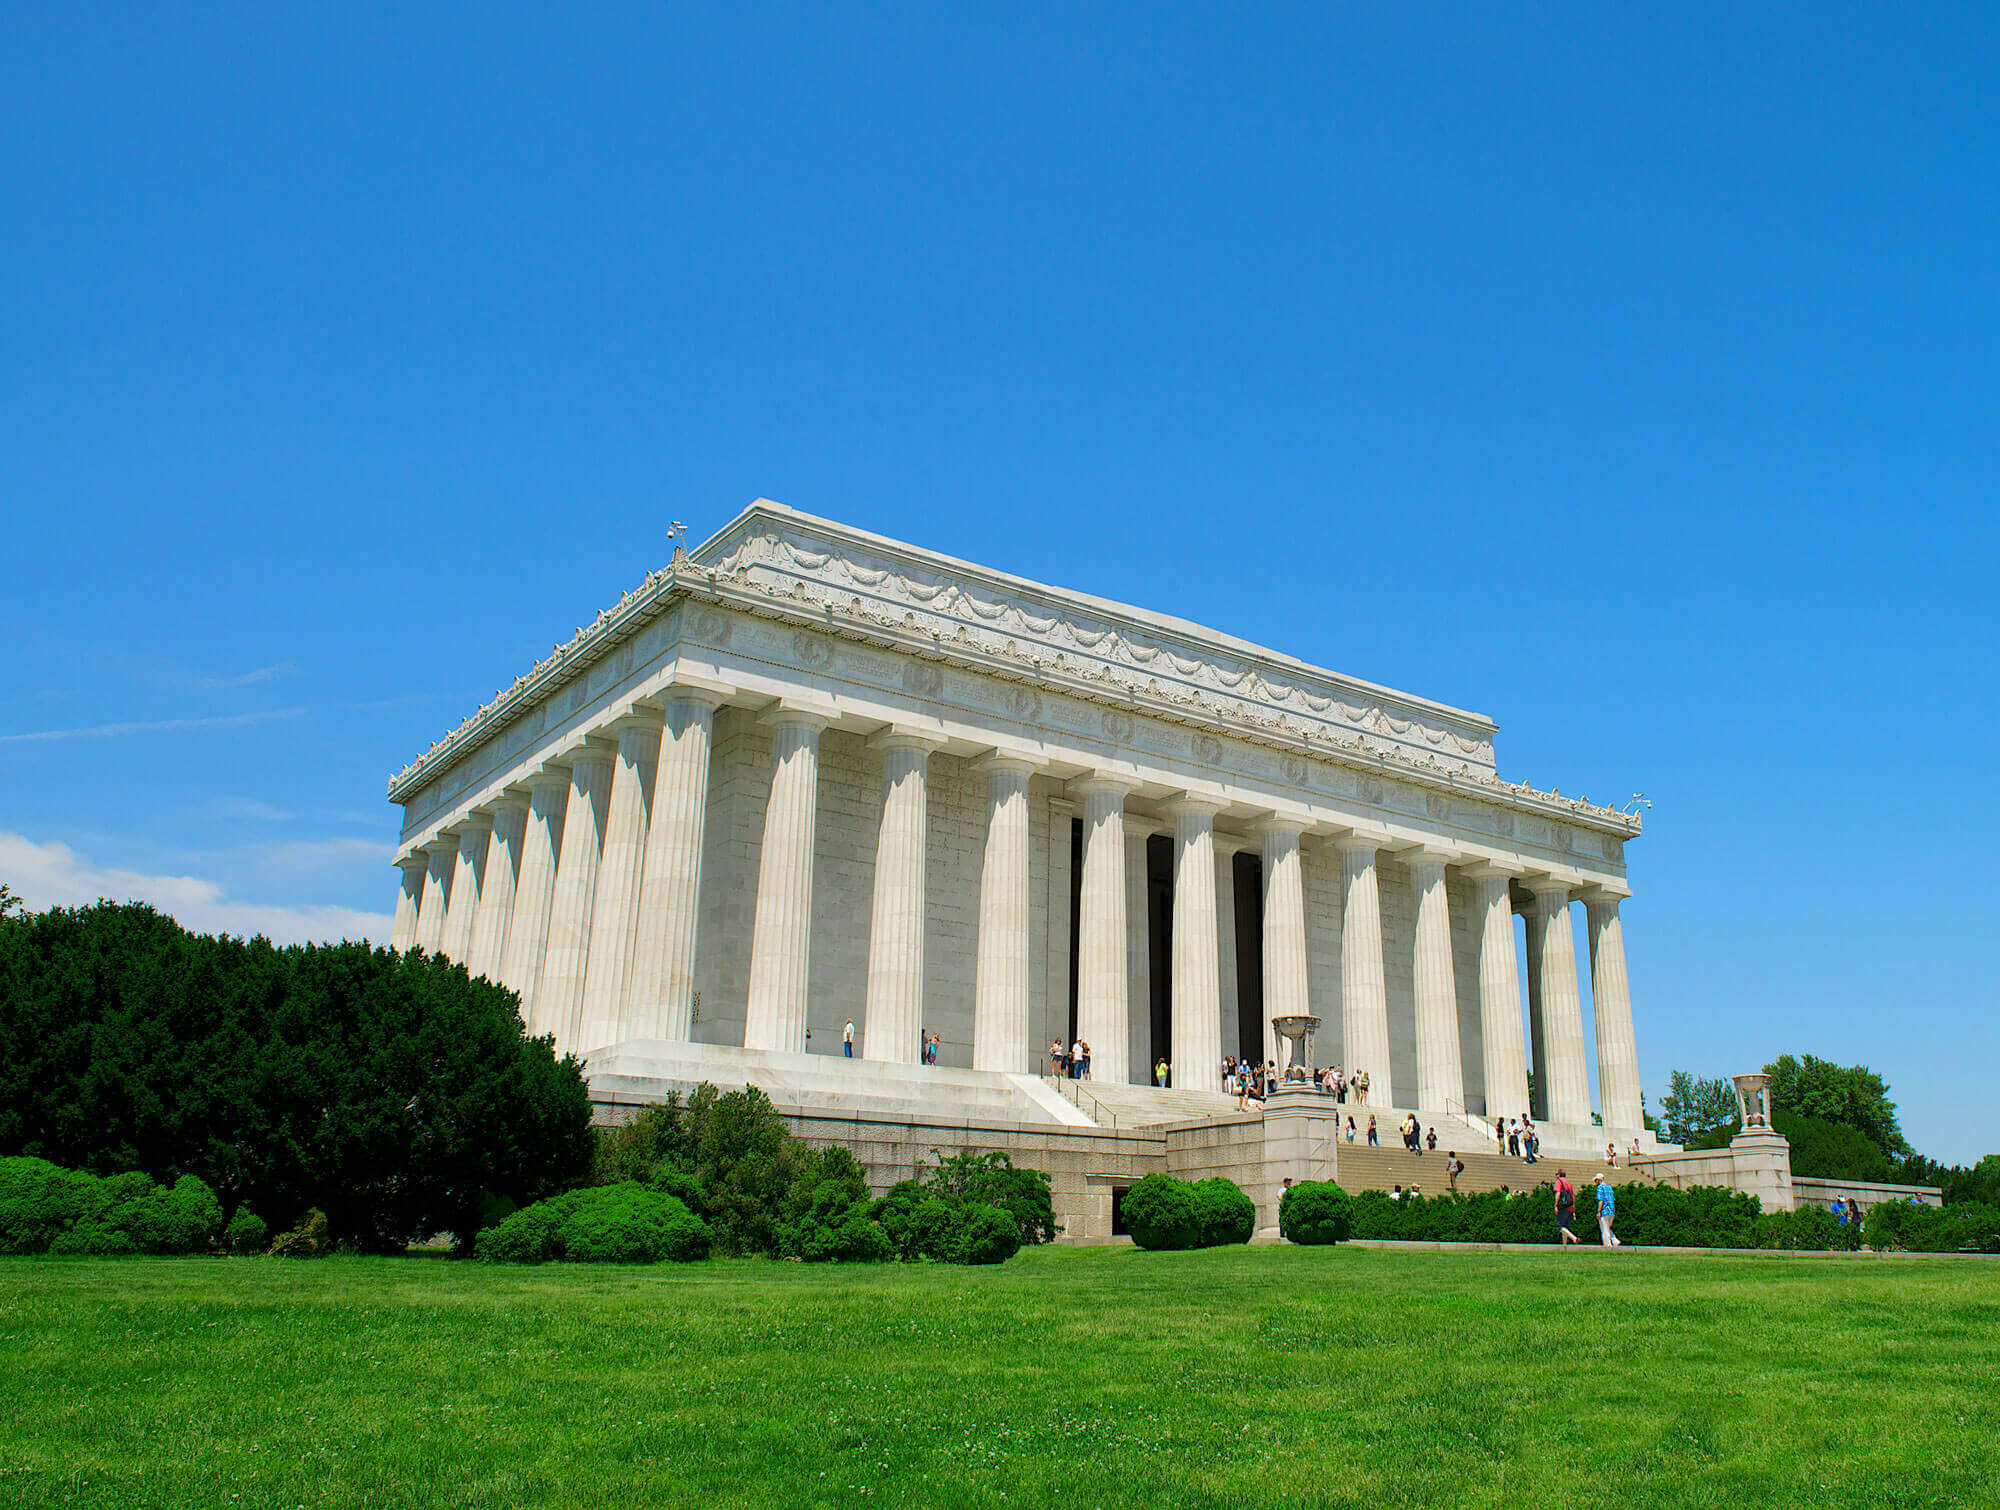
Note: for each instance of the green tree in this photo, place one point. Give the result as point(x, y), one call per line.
point(389, 1090)
point(1694, 1106)
point(1852, 1095)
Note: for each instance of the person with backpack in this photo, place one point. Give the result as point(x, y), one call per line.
point(1565, 1208)
point(1454, 1166)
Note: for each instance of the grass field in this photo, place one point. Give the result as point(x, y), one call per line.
point(1087, 1377)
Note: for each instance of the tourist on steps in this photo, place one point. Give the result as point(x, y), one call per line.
point(1431, 1139)
point(1454, 1166)
point(1372, 1141)
point(1056, 1058)
point(1565, 1208)
point(1160, 1073)
point(1350, 1129)
point(847, 1040)
point(1514, 1137)
point(1076, 1060)
point(1500, 1133)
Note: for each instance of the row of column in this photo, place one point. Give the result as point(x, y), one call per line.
point(583, 899)
point(581, 896)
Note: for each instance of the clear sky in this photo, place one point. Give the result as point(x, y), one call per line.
point(1628, 377)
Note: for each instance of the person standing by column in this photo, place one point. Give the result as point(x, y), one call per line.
point(847, 1040)
point(1607, 1208)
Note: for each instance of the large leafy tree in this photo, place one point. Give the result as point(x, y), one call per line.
point(1852, 1095)
point(1694, 1106)
point(392, 1091)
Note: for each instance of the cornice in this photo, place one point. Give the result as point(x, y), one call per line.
point(760, 570)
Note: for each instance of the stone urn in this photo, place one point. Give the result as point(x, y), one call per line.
point(1298, 1035)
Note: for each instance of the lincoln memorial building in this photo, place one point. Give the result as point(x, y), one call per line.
point(805, 775)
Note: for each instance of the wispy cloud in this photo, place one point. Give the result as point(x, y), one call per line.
point(153, 726)
point(415, 700)
point(54, 875)
point(262, 674)
point(249, 807)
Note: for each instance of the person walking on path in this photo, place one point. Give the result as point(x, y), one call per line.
point(847, 1040)
point(1607, 1207)
point(1565, 1208)
point(1454, 1166)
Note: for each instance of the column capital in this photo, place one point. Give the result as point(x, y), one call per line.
point(999, 762)
point(1362, 841)
point(476, 821)
point(553, 772)
point(415, 860)
point(443, 842)
point(1603, 896)
point(1481, 869)
point(1188, 804)
point(589, 750)
point(509, 801)
point(1096, 785)
point(1269, 823)
point(1430, 854)
point(795, 715)
point(694, 689)
point(636, 720)
point(893, 738)
point(1548, 886)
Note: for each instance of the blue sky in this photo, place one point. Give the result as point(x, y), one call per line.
point(1630, 378)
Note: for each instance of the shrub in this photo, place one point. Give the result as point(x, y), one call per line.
point(627, 1223)
point(934, 1226)
point(246, 1233)
point(896, 1214)
point(985, 1235)
point(44, 1209)
point(1315, 1212)
point(1971, 1225)
point(991, 1179)
point(1227, 1214)
point(1704, 1217)
point(1163, 1212)
point(312, 1238)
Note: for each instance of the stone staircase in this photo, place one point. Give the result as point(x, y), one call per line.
point(1365, 1168)
point(1141, 1105)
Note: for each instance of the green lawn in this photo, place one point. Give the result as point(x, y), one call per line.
point(1087, 1377)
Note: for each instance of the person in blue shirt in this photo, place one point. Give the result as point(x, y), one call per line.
point(1607, 1207)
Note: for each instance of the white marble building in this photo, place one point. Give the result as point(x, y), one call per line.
point(806, 774)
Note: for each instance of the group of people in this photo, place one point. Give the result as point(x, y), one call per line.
point(1338, 1084)
point(1070, 1061)
point(1607, 1210)
point(928, 1039)
point(1517, 1137)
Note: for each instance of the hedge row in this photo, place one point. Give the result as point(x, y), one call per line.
point(1655, 1215)
point(1972, 1226)
point(616, 1224)
point(1163, 1212)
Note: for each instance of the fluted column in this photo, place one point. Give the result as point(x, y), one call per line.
point(662, 990)
point(1102, 971)
point(497, 884)
point(1562, 1006)
point(1364, 992)
point(1197, 971)
point(893, 1014)
point(781, 941)
point(409, 897)
point(1000, 997)
point(1502, 1048)
point(1611, 1007)
point(474, 830)
point(560, 999)
point(527, 946)
point(1285, 993)
point(1440, 1075)
point(615, 907)
point(441, 858)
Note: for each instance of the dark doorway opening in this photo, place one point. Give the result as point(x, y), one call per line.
point(1160, 949)
point(1248, 873)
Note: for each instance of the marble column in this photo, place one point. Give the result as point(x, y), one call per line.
point(1285, 993)
point(497, 885)
point(1000, 1038)
point(1197, 969)
point(1503, 1050)
point(1103, 969)
point(560, 999)
point(527, 943)
point(892, 1016)
point(781, 939)
point(615, 908)
point(1364, 992)
point(1562, 1006)
point(441, 858)
point(662, 989)
point(474, 830)
point(1611, 1007)
point(1440, 1074)
point(409, 897)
